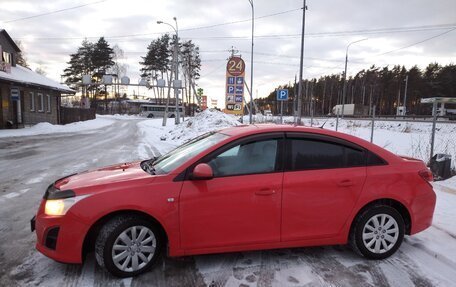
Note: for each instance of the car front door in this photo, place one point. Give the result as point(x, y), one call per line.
point(323, 179)
point(241, 204)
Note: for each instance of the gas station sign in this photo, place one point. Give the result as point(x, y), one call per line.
point(234, 92)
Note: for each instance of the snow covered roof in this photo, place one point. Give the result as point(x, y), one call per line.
point(23, 75)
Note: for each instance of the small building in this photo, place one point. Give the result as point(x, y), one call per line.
point(26, 97)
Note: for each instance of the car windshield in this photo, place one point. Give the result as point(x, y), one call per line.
point(178, 156)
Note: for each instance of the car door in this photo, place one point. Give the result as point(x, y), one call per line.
point(241, 204)
point(323, 179)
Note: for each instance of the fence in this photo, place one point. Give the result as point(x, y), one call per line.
point(71, 115)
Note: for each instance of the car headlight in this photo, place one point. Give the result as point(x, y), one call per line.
point(59, 207)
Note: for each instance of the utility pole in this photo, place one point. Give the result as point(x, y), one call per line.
point(304, 8)
point(405, 95)
point(251, 67)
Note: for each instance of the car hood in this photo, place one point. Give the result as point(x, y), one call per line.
point(106, 175)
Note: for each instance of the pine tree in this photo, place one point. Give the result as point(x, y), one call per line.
point(102, 56)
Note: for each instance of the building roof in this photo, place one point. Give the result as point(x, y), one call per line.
point(7, 36)
point(26, 76)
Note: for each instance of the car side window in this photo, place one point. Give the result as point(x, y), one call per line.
point(315, 154)
point(246, 158)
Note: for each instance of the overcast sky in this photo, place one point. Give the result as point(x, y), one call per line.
point(389, 25)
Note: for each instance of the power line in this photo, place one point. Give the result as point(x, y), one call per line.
point(158, 33)
point(54, 12)
point(240, 21)
point(260, 37)
point(419, 42)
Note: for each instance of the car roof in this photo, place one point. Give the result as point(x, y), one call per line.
point(246, 130)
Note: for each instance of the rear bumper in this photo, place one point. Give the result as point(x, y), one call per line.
point(60, 238)
point(423, 211)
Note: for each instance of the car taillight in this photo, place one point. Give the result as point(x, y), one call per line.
point(426, 174)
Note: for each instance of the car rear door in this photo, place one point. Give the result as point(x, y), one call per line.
point(323, 179)
point(241, 204)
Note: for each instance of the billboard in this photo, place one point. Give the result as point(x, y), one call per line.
point(234, 91)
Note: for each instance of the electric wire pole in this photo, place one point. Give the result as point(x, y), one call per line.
point(304, 8)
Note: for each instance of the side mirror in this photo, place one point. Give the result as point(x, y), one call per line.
point(202, 171)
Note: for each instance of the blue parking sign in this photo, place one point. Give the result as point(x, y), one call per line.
point(282, 95)
point(230, 80)
point(230, 89)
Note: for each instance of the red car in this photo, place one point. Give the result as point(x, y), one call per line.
point(242, 188)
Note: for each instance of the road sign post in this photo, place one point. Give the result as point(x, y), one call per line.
point(234, 93)
point(282, 95)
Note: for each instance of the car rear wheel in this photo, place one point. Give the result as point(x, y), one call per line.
point(127, 246)
point(377, 232)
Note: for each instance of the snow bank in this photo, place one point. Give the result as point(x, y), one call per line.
point(206, 121)
point(47, 128)
point(156, 139)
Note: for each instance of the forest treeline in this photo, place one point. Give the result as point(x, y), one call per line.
point(383, 87)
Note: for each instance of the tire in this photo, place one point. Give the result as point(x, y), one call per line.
point(128, 260)
point(377, 232)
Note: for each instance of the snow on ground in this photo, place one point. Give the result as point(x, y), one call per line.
point(47, 128)
point(121, 117)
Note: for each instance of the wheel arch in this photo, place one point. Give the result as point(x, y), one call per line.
point(91, 235)
point(397, 205)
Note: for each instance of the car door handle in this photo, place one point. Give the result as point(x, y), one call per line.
point(265, 191)
point(345, 183)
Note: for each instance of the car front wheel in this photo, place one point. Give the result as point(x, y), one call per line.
point(377, 232)
point(127, 246)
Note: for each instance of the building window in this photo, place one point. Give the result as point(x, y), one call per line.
point(48, 100)
point(40, 103)
point(32, 101)
point(7, 57)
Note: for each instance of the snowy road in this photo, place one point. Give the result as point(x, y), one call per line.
point(29, 164)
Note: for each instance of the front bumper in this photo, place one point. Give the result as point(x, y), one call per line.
point(59, 237)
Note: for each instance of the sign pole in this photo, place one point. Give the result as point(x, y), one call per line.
point(281, 112)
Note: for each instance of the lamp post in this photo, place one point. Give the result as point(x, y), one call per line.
point(345, 73)
point(176, 56)
point(251, 66)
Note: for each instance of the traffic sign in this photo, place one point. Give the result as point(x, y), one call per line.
point(14, 94)
point(235, 77)
point(235, 66)
point(282, 95)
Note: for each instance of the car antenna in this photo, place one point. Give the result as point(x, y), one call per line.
point(323, 125)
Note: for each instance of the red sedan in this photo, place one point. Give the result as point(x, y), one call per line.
point(242, 188)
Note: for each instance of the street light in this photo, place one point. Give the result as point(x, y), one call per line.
point(345, 73)
point(251, 67)
point(176, 48)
